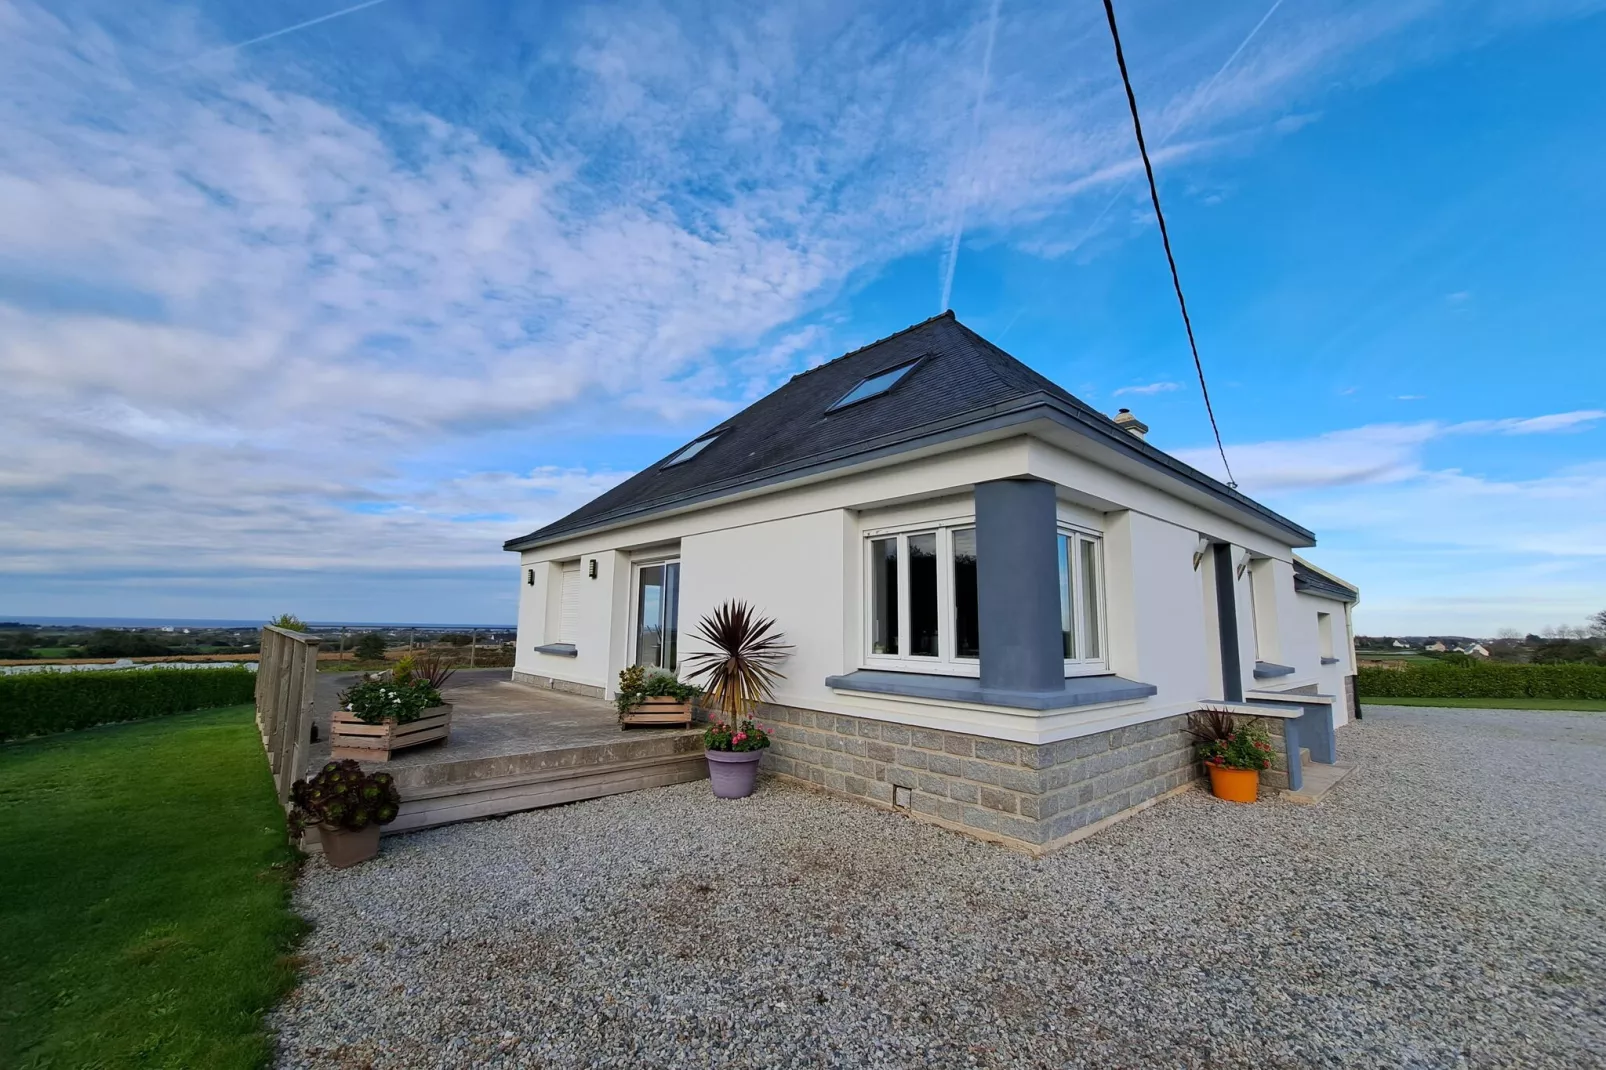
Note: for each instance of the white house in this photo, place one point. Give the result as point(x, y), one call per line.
point(1003, 603)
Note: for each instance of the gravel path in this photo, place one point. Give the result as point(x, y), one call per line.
point(1446, 907)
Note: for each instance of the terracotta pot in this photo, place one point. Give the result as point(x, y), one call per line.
point(733, 773)
point(342, 847)
point(1234, 785)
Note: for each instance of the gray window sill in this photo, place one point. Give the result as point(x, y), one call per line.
point(562, 650)
point(1329, 661)
point(1078, 690)
point(1265, 670)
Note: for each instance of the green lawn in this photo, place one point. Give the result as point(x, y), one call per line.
point(1584, 704)
point(144, 896)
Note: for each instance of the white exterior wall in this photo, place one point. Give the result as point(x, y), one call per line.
point(1329, 678)
point(797, 554)
point(793, 570)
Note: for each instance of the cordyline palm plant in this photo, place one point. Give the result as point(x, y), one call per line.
point(738, 671)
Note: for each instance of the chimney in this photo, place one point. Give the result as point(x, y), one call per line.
point(1127, 422)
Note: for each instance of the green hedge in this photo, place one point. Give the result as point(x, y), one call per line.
point(1484, 681)
point(37, 703)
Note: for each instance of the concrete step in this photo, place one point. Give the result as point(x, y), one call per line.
point(1319, 780)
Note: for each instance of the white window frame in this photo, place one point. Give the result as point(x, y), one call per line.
point(947, 662)
point(1086, 666)
point(634, 599)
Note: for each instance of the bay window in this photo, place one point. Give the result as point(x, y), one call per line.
point(922, 600)
point(1081, 600)
point(922, 612)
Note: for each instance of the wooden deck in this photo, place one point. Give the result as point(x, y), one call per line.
point(518, 747)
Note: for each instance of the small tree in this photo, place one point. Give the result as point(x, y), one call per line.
point(740, 668)
point(1597, 625)
point(371, 647)
point(289, 622)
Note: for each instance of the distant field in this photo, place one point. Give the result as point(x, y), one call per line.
point(1406, 656)
point(1585, 705)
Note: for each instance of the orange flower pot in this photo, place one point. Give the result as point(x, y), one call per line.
point(1234, 785)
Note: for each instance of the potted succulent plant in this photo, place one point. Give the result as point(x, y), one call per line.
point(348, 807)
point(655, 698)
point(739, 669)
point(387, 712)
point(1233, 752)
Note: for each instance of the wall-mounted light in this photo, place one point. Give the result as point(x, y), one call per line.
point(529, 577)
point(593, 569)
point(1199, 552)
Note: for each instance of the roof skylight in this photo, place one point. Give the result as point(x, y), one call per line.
point(873, 386)
point(692, 450)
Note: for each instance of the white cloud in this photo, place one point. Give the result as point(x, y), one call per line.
point(1148, 388)
point(288, 328)
point(1439, 549)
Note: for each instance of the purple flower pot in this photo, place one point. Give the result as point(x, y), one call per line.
point(733, 772)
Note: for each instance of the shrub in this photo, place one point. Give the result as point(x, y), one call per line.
point(1248, 746)
point(1485, 681)
point(289, 622)
point(342, 796)
point(743, 737)
point(375, 701)
point(371, 647)
point(33, 704)
point(635, 684)
point(432, 669)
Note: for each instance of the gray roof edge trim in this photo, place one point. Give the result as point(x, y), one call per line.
point(1021, 410)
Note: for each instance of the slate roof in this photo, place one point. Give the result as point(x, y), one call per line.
point(963, 384)
point(1310, 581)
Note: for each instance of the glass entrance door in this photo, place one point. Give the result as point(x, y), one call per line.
point(657, 615)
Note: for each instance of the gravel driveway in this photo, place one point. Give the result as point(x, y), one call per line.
point(1446, 907)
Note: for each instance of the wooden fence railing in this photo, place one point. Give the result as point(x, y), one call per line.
point(287, 675)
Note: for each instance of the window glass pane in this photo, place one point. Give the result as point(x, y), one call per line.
point(1067, 602)
point(876, 384)
point(923, 611)
point(649, 617)
point(671, 618)
point(967, 641)
point(691, 451)
point(1090, 597)
point(884, 596)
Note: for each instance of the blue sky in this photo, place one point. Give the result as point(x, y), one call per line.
point(314, 318)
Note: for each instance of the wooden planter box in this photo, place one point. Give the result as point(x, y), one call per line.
point(657, 712)
point(351, 738)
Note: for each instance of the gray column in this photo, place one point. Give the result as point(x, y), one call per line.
point(1017, 586)
point(1232, 680)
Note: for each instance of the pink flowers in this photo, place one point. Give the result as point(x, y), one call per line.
point(739, 737)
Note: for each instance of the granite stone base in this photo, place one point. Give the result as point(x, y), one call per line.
point(1032, 795)
point(535, 680)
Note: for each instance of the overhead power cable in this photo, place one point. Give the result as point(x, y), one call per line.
point(1165, 237)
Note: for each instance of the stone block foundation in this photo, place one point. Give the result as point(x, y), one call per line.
point(588, 690)
point(1033, 796)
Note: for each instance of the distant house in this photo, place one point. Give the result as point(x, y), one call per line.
point(1437, 646)
point(1477, 650)
point(1399, 645)
point(984, 581)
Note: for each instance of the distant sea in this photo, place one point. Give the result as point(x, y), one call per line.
point(200, 622)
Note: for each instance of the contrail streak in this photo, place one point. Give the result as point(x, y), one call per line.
point(970, 158)
point(1188, 111)
point(270, 36)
